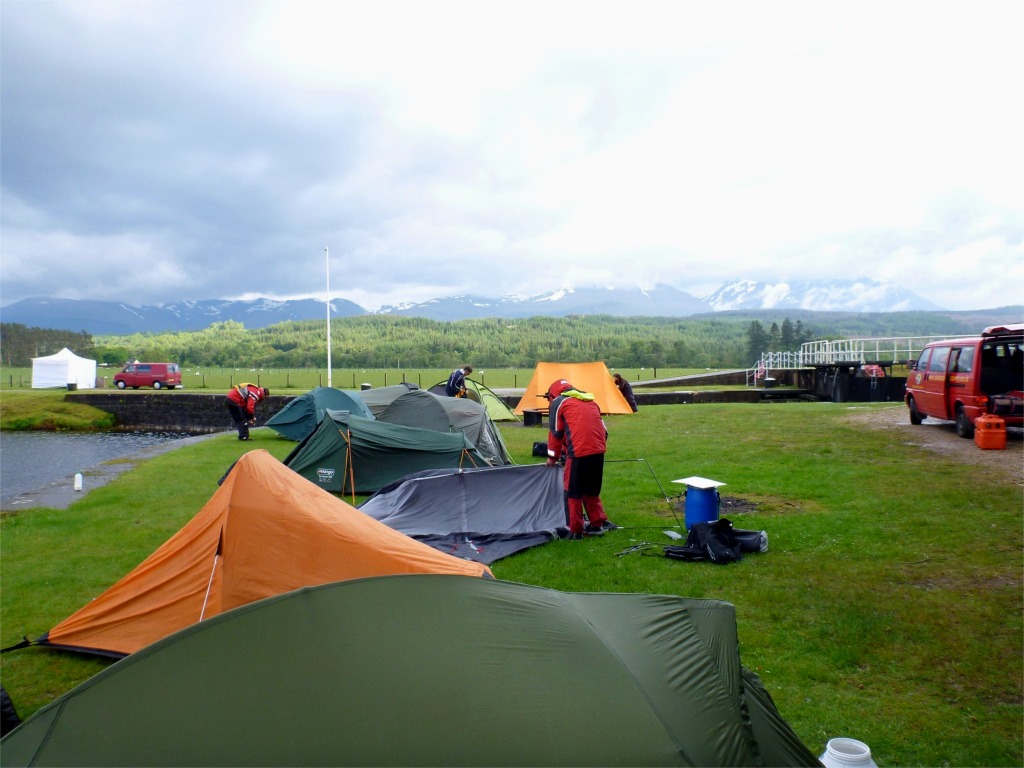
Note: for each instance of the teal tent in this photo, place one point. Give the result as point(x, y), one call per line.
point(411, 406)
point(301, 414)
point(427, 670)
point(351, 454)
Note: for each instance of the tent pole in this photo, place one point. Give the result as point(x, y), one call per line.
point(327, 258)
point(209, 586)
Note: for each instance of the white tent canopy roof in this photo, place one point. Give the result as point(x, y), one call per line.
point(61, 369)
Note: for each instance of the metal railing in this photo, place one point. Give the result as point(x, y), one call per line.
point(893, 349)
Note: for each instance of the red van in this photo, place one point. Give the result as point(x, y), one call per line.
point(962, 379)
point(155, 375)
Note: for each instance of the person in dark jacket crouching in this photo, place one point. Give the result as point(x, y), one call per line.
point(576, 429)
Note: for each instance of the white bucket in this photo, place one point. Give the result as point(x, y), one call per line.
point(845, 753)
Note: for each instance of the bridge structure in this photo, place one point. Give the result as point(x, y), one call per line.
point(883, 351)
point(844, 369)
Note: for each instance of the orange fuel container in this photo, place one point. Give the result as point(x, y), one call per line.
point(990, 433)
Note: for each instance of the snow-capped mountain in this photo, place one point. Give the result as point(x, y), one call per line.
point(660, 301)
point(118, 318)
point(860, 295)
point(114, 318)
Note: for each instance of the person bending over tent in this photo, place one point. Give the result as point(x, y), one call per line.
point(456, 386)
point(575, 428)
point(241, 404)
point(626, 390)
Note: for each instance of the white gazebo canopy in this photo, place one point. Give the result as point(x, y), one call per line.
point(62, 369)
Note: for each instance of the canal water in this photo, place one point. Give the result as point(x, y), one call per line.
point(30, 461)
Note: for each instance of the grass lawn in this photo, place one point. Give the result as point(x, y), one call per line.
point(888, 607)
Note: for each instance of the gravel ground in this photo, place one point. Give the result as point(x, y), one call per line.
point(940, 437)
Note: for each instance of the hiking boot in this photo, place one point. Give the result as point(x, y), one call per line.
point(593, 530)
point(574, 536)
point(608, 525)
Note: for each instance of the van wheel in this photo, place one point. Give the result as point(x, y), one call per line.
point(915, 417)
point(121, 385)
point(157, 385)
point(964, 428)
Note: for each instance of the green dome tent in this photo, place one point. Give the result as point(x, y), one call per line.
point(351, 454)
point(427, 670)
point(301, 414)
point(411, 406)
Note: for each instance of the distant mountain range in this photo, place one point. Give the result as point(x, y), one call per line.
point(114, 318)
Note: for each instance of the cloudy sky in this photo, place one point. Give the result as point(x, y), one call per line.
point(155, 152)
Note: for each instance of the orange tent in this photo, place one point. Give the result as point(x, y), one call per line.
point(586, 377)
point(264, 532)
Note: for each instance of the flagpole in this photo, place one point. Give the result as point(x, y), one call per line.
point(327, 258)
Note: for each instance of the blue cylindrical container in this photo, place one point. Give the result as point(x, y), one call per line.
point(701, 505)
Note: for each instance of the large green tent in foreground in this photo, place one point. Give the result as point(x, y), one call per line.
point(427, 670)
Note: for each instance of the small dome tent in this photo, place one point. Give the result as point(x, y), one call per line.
point(301, 415)
point(410, 406)
point(61, 369)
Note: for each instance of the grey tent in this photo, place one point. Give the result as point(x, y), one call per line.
point(497, 408)
point(301, 414)
point(411, 406)
point(481, 514)
point(351, 454)
point(427, 670)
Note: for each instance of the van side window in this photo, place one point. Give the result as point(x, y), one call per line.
point(963, 360)
point(939, 357)
point(922, 361)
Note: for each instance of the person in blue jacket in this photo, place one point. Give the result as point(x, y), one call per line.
point(456, 386)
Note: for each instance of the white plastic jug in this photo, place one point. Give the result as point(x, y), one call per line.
point(847, 753)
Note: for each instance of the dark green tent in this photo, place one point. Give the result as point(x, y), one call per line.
point(351, 454)
point(427, 670)
point(411, 406)
point(301, 414)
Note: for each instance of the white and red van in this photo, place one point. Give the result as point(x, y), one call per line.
point(961, 379)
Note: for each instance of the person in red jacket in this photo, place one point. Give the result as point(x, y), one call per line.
point(241, 404)
point(577, 431)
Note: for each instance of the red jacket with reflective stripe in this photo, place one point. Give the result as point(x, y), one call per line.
point(577, 427)
point(248, 401)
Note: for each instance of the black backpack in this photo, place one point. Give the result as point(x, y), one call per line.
point(718, 542)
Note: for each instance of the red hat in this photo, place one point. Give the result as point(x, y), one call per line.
point(558, 388)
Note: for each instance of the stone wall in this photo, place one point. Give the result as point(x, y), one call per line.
point(172, 410)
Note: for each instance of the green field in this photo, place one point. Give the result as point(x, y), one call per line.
point(303, 379)
point(888, 607)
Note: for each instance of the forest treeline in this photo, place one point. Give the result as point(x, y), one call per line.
point(725, 340)
point(20, 343)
